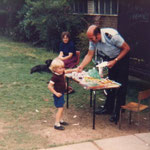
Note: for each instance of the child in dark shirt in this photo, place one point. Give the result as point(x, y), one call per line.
point(67, 51)
point(57, 86)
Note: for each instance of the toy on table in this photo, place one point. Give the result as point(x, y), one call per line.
point(92, 79)
point(79, 76)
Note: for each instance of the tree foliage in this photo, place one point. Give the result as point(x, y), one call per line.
point(8, 13)
point(40, 22)
point(43, 21)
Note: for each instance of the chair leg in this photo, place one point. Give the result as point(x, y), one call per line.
point(120, 119)
point(138, 121)
point(149, 120)
point(130, 116)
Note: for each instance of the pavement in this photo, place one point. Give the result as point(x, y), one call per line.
point(139, 141)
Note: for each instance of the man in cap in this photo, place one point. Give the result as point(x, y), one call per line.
point(108, 44)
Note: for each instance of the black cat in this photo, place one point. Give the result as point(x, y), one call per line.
point(42, 68)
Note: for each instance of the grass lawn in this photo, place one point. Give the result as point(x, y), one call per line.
point(23, 95)
point(25, 98)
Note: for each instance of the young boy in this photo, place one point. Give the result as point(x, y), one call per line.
point(57, 86)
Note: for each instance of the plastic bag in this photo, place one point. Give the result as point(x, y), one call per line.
point(94, 73)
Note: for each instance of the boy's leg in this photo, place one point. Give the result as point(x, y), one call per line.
point(59, 114)
point(59, 102)
point(62, 122)
point(58, 117)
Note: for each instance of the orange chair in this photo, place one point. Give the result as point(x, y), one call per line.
point(136, 107)
point(78, 57)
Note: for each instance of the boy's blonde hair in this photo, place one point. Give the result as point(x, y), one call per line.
point(55, 64)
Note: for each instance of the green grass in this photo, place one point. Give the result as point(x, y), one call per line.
point(20, 91)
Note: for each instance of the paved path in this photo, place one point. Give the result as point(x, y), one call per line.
point(131, 142)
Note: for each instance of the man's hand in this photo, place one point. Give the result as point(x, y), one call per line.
point(111, 63)
point(79, 69)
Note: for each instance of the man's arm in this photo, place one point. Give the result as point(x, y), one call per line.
point(87, 59)
point(125, 49)
point(71, 70)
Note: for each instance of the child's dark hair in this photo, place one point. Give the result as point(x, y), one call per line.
point(65, 34)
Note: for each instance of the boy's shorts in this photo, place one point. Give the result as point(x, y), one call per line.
point(59, 101)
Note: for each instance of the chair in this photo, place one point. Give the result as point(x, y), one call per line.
point(78, 57)
point(136, 107)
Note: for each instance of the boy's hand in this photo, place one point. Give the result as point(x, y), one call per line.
point(58, 94)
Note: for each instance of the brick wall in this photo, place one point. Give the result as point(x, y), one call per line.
point(103, 21)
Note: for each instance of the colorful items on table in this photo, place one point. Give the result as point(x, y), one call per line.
point(94, 73)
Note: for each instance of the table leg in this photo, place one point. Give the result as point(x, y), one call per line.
point(91, 91)
point(67, 93)
point(94, 103)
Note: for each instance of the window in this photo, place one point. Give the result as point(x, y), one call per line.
point(106, 7)
point(80, 6)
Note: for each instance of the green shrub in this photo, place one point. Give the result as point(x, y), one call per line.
point(82, 43)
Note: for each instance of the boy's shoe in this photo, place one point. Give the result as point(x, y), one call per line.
point(64, 123)
point(59, 127)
